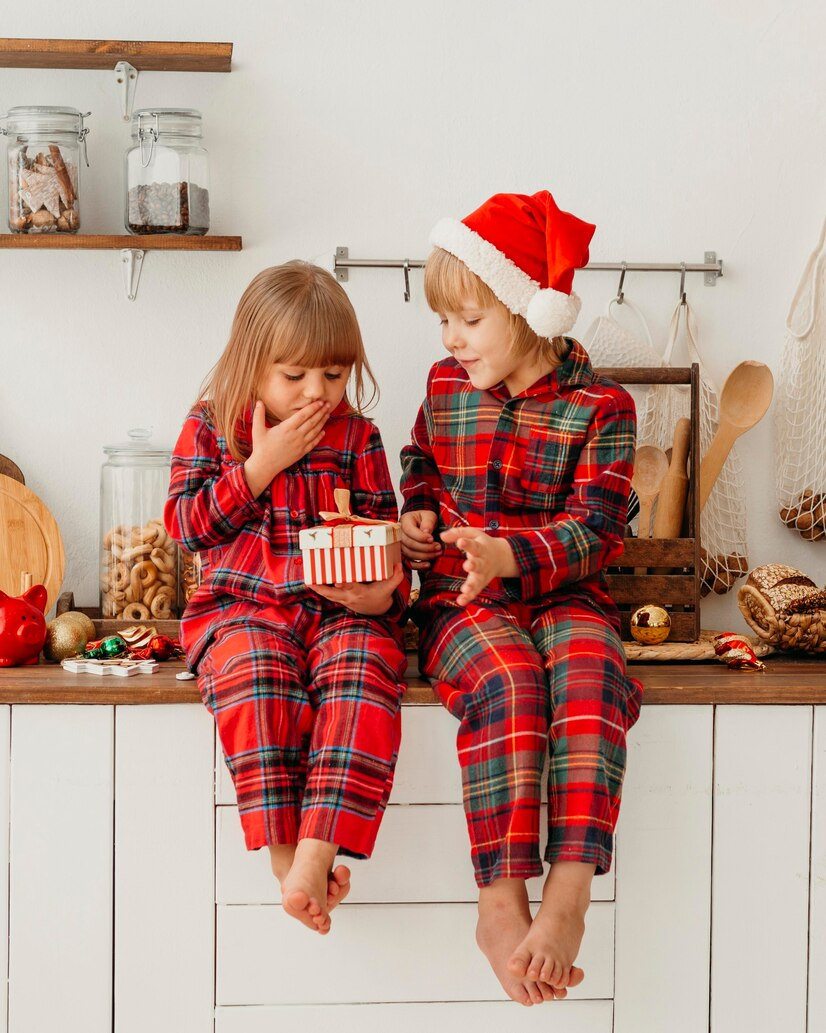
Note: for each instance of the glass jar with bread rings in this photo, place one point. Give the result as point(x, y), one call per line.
point(139, 578)
point(46, 147)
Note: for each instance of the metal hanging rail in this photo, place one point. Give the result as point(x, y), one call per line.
point(712, 267)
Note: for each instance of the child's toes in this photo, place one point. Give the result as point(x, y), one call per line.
point(548, 992)
point(518, 963)
point(576, 976)
point(552, 972)
point(534, 993)
point(538, 962)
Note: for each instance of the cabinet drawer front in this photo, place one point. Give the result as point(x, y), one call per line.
point(427, 770)
point(265, 957)
point(490, 1017)
point(422, 856)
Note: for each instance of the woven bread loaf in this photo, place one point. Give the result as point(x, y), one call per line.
point(785, 608)
point(781, 585)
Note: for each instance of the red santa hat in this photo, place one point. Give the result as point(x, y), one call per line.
point(526, 250)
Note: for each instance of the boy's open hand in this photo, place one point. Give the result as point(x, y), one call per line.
point(419, 547)
point(276, 448)
point(372, 599)
point(485, 559)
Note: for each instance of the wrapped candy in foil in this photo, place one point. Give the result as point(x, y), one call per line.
point(736, 652)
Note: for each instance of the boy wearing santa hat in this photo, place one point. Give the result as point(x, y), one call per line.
point(516, 486)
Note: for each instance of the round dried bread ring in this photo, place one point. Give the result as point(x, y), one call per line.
point(162, 560)
point(162, 604)
point(121, 576)
point(135, 612)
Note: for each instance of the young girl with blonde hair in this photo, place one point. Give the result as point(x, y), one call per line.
point(304, 683)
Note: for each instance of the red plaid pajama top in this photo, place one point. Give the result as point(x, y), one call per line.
point(249, 546)
point(550, 469)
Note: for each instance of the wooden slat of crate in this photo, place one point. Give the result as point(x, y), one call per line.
point(662, 588)
point(657, 552)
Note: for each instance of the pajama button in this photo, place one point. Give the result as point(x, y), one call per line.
point(497, 464)
point(294, 514)
point(493, 525)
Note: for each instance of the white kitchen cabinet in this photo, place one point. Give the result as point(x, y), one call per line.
point(60, 877)
point(164, 869)
point(131, 903)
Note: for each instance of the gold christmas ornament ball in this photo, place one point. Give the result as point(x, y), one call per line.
point(650, 625)
point(65, 638)
point(82, 619)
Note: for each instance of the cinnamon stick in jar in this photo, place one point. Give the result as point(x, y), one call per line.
point(63, 176)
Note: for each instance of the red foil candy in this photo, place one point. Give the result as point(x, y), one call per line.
point(160, 647)
point(736, 653)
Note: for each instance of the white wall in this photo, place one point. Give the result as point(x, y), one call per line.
point(675, 127)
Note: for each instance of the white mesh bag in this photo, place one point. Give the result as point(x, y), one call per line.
point(800, 408)
point(724, 554)
point(610, 343)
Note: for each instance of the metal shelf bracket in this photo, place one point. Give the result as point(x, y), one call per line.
point(126, 76)
point(132, 262)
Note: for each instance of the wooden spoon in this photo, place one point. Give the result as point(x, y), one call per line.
point(650, 466)
point(746, 395)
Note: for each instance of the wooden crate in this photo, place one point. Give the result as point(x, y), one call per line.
point(671, 566)
point(111, 626)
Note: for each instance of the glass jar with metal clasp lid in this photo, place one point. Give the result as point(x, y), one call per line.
point(138, 559)
point(44, 149)
point(167, 181)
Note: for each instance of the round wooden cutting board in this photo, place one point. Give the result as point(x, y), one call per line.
point(29, 540)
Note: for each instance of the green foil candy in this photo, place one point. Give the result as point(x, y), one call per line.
point(111, 646)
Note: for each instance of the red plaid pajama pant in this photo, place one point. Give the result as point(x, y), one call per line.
point(525, 682)
point(307, 710)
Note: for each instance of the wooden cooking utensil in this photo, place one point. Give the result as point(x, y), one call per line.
point(29, 541)
point(668, 522)
point(746, 395)
point(650, 467)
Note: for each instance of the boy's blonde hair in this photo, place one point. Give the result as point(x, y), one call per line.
point(448, 284)
point(295, 314)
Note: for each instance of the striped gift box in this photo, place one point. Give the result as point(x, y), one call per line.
point(371, 552)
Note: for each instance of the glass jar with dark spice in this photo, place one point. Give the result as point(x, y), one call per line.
point(167, 173)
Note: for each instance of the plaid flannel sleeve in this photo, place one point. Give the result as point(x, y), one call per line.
point(421, 484)
point(206, 507)
point(372, 495)
point(588, 533)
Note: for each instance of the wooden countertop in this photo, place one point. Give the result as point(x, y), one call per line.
point(786, 680)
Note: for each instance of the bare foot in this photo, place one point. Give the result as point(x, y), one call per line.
point(338, 886)
point(504, 922)
point(304, 890)
point(551, 946)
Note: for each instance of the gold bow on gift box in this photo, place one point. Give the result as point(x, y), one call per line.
point(343, 522)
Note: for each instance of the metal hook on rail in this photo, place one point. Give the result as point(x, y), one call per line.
point(620, 294)
point(406, 267)
point(682, 283)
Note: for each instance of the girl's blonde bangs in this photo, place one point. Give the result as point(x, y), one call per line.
point(294, 314)
point(449, 284)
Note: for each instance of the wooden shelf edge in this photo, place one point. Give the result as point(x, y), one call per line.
point(116, 242)
point(149, 56)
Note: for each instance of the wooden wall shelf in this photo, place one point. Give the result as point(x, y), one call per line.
point(117, 242)
point(154, 56)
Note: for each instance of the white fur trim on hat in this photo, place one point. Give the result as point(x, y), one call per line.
point(513, 287)
point(551, 312)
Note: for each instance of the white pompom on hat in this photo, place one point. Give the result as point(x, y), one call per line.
point(526, 250)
